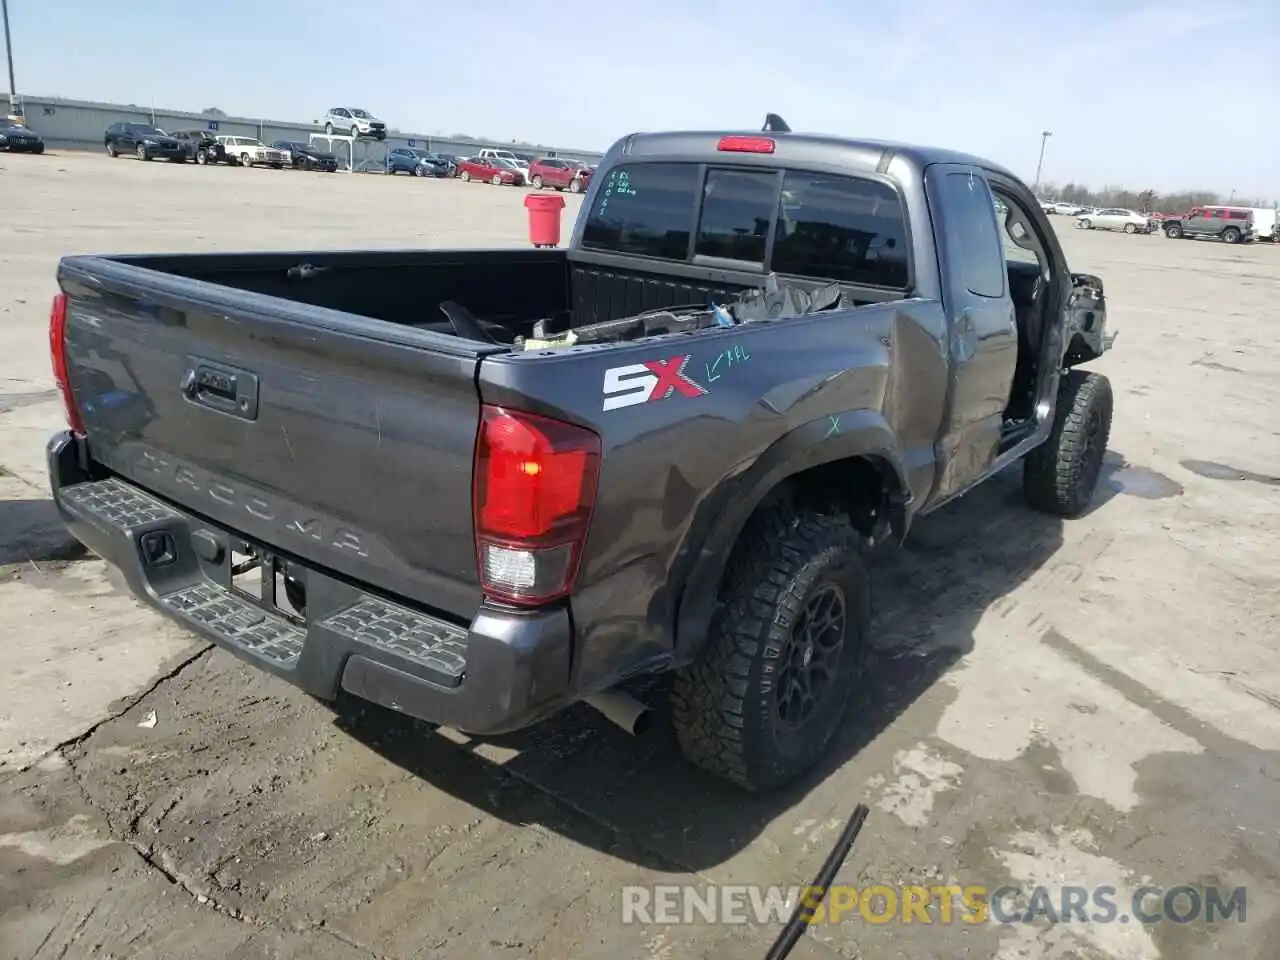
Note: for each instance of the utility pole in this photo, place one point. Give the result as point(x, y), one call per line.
point(1044, 140)
point(8, 55)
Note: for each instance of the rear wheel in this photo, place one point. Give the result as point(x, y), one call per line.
point(1060, 476)
point(1231, 235)
point(464, 177)
point(787, 643)
point(496, 180)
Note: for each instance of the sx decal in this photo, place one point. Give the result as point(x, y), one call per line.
point(648, 382)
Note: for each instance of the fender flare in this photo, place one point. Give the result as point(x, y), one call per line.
point(722, 516)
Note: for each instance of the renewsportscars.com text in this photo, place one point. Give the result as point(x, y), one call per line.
point(944, 904)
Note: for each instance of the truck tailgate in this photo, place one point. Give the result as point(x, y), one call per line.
point(344, 441)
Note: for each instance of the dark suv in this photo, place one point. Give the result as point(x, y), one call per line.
point(201, 146)
point(144, 141)
point(1229, 224)
point(419, 163)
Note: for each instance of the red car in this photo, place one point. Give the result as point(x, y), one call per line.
point(571, 175)
point(490, 169)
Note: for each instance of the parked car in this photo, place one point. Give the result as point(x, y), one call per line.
point(1266, 224)
point(201, 146)
point(571, 175)
point(143, 141)
point(1228, 224)
point(15, 138)
point(1061, 207)
point(490, 567)
point(491, 170)
point(494, 153)
point(417, 163)
point(354, 122)
point(304, 156)
point(1114, 218)
point(446, 160)
point(252, 152)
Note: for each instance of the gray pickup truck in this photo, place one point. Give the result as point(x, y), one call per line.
point(479, 486)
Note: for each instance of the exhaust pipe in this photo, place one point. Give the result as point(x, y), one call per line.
point(624, 710)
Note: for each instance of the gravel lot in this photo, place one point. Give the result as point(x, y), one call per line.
point(1088, 703)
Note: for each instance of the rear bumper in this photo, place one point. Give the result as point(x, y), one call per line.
point(501, 673)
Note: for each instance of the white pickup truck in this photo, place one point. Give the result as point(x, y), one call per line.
point(250, 151)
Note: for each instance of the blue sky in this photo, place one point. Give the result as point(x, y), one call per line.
point(1147, 93)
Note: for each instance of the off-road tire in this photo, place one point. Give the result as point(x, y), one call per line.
point(1060, 476)
point(724, 707)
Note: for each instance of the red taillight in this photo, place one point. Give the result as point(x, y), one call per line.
point(535, 486)
point(58, 353)
point(746, 145)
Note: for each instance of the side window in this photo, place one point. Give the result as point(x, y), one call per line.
point(841, 228)
point(645, 209)
point(974, 237)
point(737, 209)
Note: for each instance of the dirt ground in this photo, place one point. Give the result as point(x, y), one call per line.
point(1086, 703)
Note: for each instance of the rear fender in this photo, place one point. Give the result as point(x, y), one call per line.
point(721, 517)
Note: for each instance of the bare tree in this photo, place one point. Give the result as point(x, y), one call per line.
point(1146, 200)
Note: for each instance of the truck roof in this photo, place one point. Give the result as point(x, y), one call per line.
point(791, 147)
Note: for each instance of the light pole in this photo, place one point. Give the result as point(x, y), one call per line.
point(1044, 140)
point(8, 56)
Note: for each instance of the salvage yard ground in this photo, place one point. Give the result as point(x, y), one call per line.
point(1089, 703)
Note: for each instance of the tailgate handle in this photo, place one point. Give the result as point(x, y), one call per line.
point(219, 387)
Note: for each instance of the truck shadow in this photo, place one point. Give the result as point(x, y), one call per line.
point(31, 532)
point(645, 803)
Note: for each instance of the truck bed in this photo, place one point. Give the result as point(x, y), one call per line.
point(332, 412)
point(510, 288)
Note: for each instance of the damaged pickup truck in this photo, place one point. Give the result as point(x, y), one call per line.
point(479, 486)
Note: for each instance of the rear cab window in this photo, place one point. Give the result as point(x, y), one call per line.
point(791, 221)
